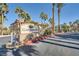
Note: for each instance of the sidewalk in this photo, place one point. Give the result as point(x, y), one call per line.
point(4, 35)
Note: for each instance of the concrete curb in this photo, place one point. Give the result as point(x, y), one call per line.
point(4, 35)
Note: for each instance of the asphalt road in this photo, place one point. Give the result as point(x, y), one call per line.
point(4, 40)
point(46, 47)
point(69, 36)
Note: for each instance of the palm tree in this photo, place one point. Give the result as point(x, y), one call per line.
point(43, 16)
point(50, 21)
point(70, 24)
point(56, 28)
point(76, 23)
point(53, 17)
point(3, 11)
point(65, 27)
point(59, 6)
point(22, 14)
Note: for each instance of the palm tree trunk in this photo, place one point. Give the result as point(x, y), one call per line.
point(58, 19)
point(2, 24)
point(53, 18)
point(38, 29)
point(19, 31)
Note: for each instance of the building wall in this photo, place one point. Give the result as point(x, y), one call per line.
point(22, 30)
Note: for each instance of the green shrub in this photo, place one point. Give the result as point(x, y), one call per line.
point(47, 32)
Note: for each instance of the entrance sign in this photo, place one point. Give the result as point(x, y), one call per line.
point(24, 28)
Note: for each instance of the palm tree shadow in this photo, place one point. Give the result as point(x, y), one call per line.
point(16, 53)
point(72, 36)
point(3, 51)
point(60, 44)
point(29, 50)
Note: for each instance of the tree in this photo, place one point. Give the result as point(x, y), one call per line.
point(53, 7)
point(6, 31)
point(70, 24)
point(56, 28)
point(76, 21)
point(3, 11)
point(47, 32)
point(65, 27)
point(76, 25)
point(50, 21)
point(43, 16)
point(59, 6)
point(22, 14)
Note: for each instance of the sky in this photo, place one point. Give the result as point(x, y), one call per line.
point(69, 12)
